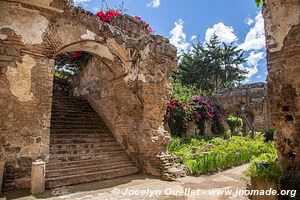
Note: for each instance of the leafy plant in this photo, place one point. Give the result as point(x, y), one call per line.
point(265, 167)
point(235, 123)
point(183, 93)
point(70, 64)
point(269, 134)
point(202, 155)
point(258, 2)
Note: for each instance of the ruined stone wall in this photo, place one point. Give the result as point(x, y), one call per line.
point(253, 98)
point(127, 83)
point(121, 103)
point(25, 94)
point(282, 25)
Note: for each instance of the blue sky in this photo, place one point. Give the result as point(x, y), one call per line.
point(182, 21)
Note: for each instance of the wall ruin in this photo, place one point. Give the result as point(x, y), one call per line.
point(251, 97)
point(126, 81)
point(282, 27)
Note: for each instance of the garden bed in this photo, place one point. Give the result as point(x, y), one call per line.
point(203, 156)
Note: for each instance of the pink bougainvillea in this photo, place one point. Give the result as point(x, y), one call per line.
point(176, 117)
point(145, 24)
point(198, 110)
point(75, 56)
point(108, 15)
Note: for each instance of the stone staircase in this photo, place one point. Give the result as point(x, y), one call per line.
point(82, 149)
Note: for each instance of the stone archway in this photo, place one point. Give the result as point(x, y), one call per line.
point(137, 64)
point(253, 99)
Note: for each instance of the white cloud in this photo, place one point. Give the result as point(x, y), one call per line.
point(249, 21)
point(154, 4)
point(252, 63)
point(81, 2)
point(255, 38)
point(193, 37)
point(224, 33)
point(178, 37)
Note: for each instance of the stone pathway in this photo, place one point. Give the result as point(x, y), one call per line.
point(187, 188)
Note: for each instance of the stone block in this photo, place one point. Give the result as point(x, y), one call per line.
point(38, 170)
point(2, 164)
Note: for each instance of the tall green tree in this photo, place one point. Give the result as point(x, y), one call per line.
point(211, 66)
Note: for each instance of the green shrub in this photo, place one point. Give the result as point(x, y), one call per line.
point(269, 134)
point(183, 93)
point(235, 124)
point(230, 133)
point(265, 167)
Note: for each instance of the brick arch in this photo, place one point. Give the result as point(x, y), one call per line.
point(139, 89)
point(113, 61)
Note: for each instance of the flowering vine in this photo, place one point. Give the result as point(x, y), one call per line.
point(108, 15)
point(75, 56)
point(145, 24)
point(176, 117)
point(198, 110)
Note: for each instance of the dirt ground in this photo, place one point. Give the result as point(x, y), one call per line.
point(138, 187)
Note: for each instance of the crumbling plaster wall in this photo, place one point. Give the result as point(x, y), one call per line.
point(25, 94)
point(133, 84)
point(282, 25)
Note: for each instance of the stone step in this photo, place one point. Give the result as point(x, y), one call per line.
point(88, 119)
point(59, 96)
point(86, 150)
point(82, 145)
point(76, 157)
point(88, 177)
point(80, 124)
point(87, 169)
point(87, 162)
point(71, 108)
point(75, 112)
point(81, 140)
point(68, 103)
point(71, 104)
point(83, 135)
point(78, 130)
point(74, 115)
point(71, 127)
point(84, 117)
point(67, 120)
point(82, 148)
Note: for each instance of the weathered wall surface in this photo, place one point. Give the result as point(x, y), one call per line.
point(25, 94)
point(126, 81)
point(253, 98)
point(282, 25)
